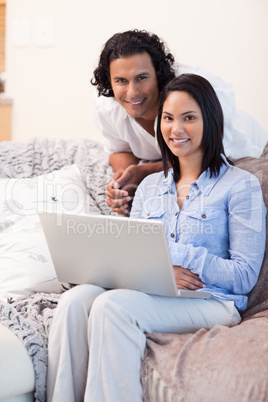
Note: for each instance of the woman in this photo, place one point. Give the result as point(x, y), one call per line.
point(214, 218)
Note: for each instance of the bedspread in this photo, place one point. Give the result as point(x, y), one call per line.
point(42, 155)
point(170, 368)
point(30, 318)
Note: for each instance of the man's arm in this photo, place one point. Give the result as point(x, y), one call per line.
point(121, 160)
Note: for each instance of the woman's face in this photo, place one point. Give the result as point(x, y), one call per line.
point(182, 125)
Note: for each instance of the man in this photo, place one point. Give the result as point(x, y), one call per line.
point(134, 66)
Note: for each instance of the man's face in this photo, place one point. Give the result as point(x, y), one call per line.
point(135, 86)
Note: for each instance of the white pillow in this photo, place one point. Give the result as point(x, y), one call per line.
point(25, 262)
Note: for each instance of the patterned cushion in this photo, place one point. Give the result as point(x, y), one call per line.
point(25, 262)
point(258, 297)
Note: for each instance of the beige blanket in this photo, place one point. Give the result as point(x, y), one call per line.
point(222, 364)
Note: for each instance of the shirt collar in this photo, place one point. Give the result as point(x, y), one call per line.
point(205, 183)
point(168, 184)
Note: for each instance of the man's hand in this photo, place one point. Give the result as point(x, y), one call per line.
point(122, 187)
point(186, 279)
point(117, 199)
point(127, 177)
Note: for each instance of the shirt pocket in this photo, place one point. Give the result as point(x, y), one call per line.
point(153, 214)
point(202, 228)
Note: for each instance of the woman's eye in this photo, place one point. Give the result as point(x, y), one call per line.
point(189, 118)
point(168, 118)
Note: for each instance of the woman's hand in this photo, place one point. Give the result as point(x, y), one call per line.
point(186, 279)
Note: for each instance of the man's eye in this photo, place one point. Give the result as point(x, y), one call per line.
point(142, 77)
point(121, 80)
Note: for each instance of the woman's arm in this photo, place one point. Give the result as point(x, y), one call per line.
point(247, 231)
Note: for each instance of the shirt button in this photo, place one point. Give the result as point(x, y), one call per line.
point(172, 235)
point(204, 216)
point(176, 213)
point(187, 197)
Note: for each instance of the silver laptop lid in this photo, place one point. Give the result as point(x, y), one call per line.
point(111, 252)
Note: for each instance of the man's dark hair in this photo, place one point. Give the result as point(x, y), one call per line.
point(211, 144)
point(128, 44)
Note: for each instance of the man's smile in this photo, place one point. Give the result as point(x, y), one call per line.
point(136, 103)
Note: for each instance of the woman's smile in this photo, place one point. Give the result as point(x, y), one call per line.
point(180, 140)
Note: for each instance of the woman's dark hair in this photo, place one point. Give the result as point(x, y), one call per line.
point(128, 44)
point(211, 144)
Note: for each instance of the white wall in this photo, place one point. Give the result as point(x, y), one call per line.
point(50, 86)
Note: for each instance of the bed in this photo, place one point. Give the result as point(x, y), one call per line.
point(220, 364)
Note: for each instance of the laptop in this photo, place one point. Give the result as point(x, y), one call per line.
point(112, 252)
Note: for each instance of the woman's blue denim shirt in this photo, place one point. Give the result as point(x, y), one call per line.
point(219, 233)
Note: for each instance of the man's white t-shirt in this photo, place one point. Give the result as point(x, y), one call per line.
point(243, 136)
